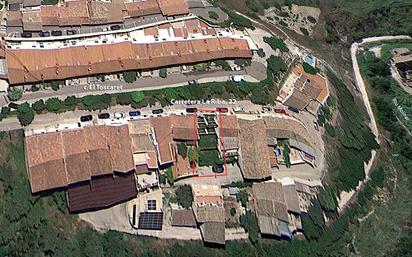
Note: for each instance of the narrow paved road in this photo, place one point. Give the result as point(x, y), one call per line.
point(253, 73)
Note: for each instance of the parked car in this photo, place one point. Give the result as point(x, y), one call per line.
point(191, 110)
point(115, 27)
point(13, 105)
point(118, 115)
point(191, 82)
point(266, 108)
point(134, 113)
point(56, 33)
point(218, 168)
point(315, 125)
point(157, 111)
point(279, 110)
point(222, 109)
point(236, 78)
point(86, 118)
point(103, 116)
point(236, 68)
point(44, 34)
point(70, 32)
point(26, 34)
point(238, 109)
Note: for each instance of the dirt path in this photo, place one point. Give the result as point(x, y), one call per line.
point(346, 197)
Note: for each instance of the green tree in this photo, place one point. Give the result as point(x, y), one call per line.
point(39, 106)
point(242, 197)
point(169, 176)
point(276, 65)
point(223, 64)
point(25, 114)
point(249, 222)
point(163, 73)
point(15, 94)
point(213, 15)
point(182, 149)
point(137, 96)
point(184, 196)
point(71, 102)
point(232, 212)
point(276, 43)
point(123, 98)
point(330, 129)
point(378, 177)
point(54, 105)
point(309, 68)
point(55, 84)
point(130, 76)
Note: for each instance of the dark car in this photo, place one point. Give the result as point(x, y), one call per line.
point(86, 118)
point(157, 111)
point(26, 34)
point(44, 34)
point(70, 32)
point(218, 169)
point(103, 116)
point(191, 110)
point(13, 105)
point(115, 27)
point(56, 33)
point(134, 113)
point(279, 110)
point(222, 109)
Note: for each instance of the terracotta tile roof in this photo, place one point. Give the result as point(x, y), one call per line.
point(163, 133)
point(14, 18)
point(104, 12)
point(152, 160)
point(288, 128)
point(183, 127)
point(86, 152)
point(312, 86)
point(45, 160)
point(101, 192)
point(183, 218)
point(210, 214)
point(229, 126)
point(270, 206)
point(31, 65)
point(151, 31)
point(181, 167)
point(213, 232)
point(142, 8)
point(298, 100)
point(173, 7)
point(32, 20)
point(255, 162)
point(291, 198)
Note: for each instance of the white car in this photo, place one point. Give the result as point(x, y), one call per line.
point(238, 109)
point(118, 115)
point(236, 78)
point(236, 68)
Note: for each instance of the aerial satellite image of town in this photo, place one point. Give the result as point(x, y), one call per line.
point(206, 128)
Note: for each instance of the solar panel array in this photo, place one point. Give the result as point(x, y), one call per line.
point(151, 205)
point(151, 220)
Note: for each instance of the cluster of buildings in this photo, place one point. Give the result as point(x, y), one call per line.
point(402, 60)
point(103, 165)
point(304, 91)
point(188, 40)
point(30, 15)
